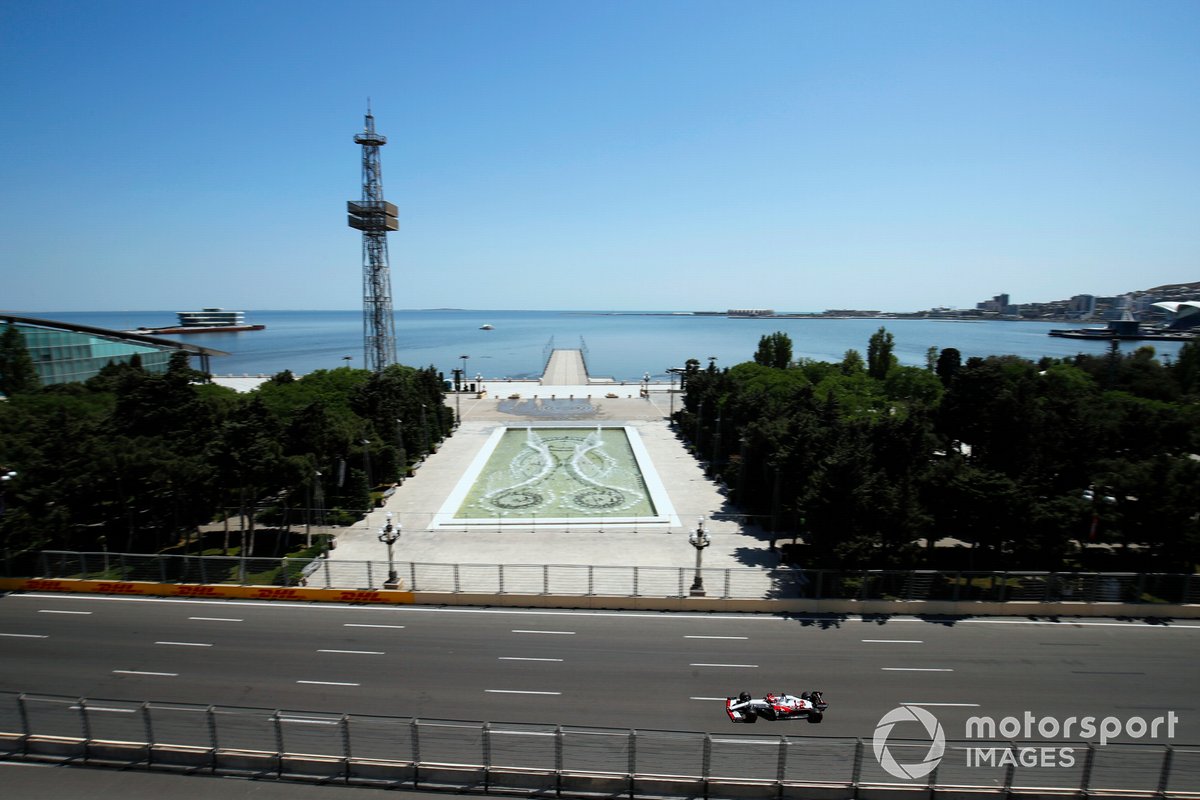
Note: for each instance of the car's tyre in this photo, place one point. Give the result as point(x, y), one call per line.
point(815, 719)
point(751, 717)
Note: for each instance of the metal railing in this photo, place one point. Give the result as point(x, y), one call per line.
point(565, 759)
point(584, 580)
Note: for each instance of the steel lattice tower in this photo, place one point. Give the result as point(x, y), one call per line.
point(375, 217)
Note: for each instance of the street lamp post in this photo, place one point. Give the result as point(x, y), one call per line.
point(462, 384)
point(699, 539)
point(366, 443)
point(646, 385)
point(390, 534)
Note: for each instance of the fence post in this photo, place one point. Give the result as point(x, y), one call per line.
point(706, 763)
point(1085, 780)
point(83, 571)
point(347, 751)
point(679, 572)
point(856, 772)
point(412, 576)
point(85, 726)
point(457, 588)
point(1164, 777)
point(820, 579)
point(203, 572)
point(636, 574)
point(211, 716)
point(45, 564)
point(415, 737)
point(370, 577)
point(558, 760)
point(148, 725)
point(545, 579)
point(727, 576)
point(591, 580)
point(325, 569)
point(24, 723)
point(485, 752)
point(500, 578)
point(781, 768)
point(241, 570)
point(124, 568)
point(278, 744)
point(632, 765)
point(1047, 595)
point(162, 568)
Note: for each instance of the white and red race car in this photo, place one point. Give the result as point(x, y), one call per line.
point(744, 708)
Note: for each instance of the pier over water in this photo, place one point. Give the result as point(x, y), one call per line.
point(565, 368)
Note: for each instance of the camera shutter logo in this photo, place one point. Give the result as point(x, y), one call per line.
point(937, 746)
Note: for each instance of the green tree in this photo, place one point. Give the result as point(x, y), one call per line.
point(948, 363)
point(18, 375)
point(774, 350)
point(880, 359)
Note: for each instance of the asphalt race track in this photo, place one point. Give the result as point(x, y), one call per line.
point(625, 670)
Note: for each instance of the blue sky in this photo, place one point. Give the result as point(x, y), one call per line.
point(605, 155)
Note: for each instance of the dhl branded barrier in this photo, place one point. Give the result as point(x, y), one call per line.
point(378, 596)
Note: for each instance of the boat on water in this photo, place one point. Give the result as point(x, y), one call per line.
point(487, 327)
point(207, 320)
point(1182, 328)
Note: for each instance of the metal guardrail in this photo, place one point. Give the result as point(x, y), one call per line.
point(631, 581)
point(565, 759)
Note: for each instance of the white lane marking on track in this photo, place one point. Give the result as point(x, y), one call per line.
point(947, 705)
point(187, 644)
point(329, 683)
point(140, 672)
point(553, 633)
point(916, 669)
point(26, 635)
point(367, 625)
point(516, 691)
point(218, 619)
point(305, 721)
point(356, 652)
point(895, 641)
point(524, 658)
point(716, 637)
point(55, 611)
point(744, 666)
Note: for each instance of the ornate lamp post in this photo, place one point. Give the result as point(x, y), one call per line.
point(390, 534)
point(646, 385)
point(699, 539)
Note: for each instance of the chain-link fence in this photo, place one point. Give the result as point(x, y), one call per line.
point(565, 759)
point(631, 581)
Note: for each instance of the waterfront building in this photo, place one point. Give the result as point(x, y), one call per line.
point(65, 352)
point(1081, 306)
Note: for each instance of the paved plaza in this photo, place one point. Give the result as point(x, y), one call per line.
point(692, 494)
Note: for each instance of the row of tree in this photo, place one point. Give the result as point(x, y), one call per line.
point(870, 463)
point(136, 462)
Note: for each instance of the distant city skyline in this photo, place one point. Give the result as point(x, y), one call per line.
point(619, 155)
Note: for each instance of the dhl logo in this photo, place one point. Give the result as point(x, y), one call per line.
point(117, 588)
point(278, 594)
point(361, 597)
point(198, 591)
point(43, 585)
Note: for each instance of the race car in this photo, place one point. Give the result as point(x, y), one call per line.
point(744, 708)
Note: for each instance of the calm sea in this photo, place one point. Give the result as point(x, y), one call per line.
point(619, 345)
